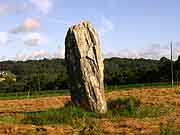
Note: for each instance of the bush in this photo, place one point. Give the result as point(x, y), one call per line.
point(124, 106)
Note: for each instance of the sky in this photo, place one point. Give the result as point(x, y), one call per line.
point(36, 29)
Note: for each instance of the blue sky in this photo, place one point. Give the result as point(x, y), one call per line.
point(34, 29)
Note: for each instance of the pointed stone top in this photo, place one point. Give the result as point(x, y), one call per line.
point(84, 24)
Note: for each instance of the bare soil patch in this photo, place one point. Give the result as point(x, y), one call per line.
point(32, 105)
point(35, 130)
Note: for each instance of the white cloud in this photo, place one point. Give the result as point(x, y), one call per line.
point(9, 8)
point(3, 38)
point(106, 26)
point(34, 39)
point(154, 51)
point(29, 25)
point(35, 55)
point(44, 6)
point(40, 54)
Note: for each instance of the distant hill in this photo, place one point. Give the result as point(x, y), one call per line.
point(52, 74)
point(58, 65)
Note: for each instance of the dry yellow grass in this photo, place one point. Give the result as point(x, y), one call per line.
point(165, 97)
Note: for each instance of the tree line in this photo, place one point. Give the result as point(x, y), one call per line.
point(37, 75)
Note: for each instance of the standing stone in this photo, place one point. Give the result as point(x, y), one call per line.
point(85, 67)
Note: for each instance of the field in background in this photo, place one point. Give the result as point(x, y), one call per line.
point(34, 94)
point(47, 93)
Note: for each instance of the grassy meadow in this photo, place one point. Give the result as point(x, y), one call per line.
point(86, 122)
point(121, 110)
point(47, 93)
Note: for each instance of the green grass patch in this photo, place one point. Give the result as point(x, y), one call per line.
point(11, 118)
point(151, 111)
point(34, 94)
point(140, 85)
point(122, 107)
point(69, 114)
point(58, 116)
point(131, 107)
point(8, 119)
point(86, 123)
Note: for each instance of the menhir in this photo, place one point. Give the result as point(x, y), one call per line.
point(85, 67)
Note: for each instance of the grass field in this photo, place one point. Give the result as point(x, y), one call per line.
point(142, 85)
point(141, 117)
point(47, 93)
point(34, 94)
point(132, 109)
